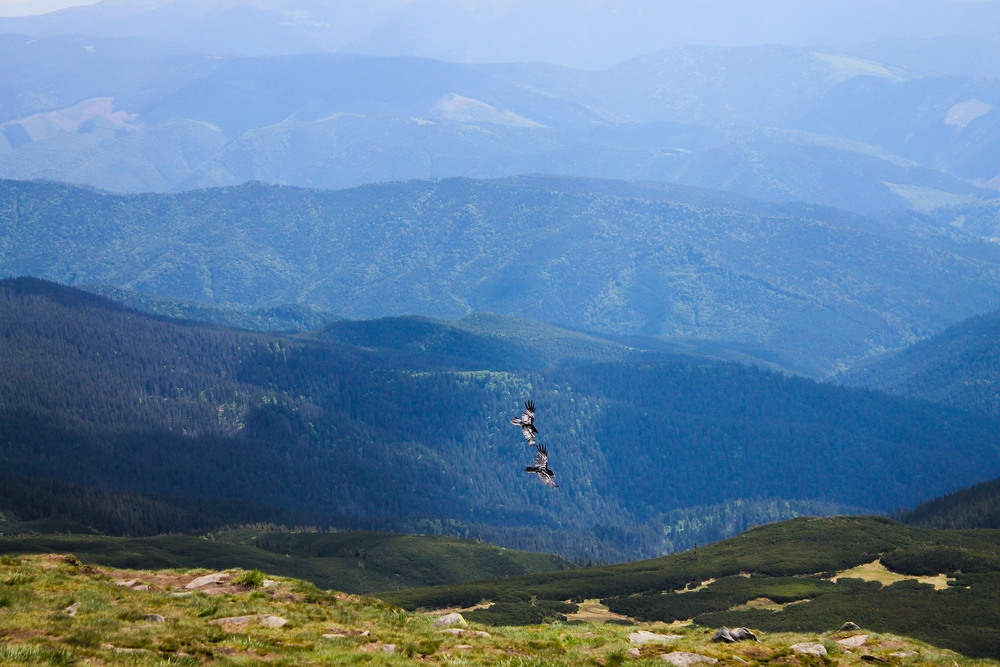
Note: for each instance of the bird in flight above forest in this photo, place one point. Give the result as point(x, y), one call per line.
point(527, 423)
point(541, 467)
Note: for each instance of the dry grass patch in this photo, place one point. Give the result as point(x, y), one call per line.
point(876, 571)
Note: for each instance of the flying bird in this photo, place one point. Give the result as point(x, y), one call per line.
point(527, 423)
point(541, 467)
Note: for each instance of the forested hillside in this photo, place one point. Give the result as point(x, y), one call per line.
point(959, 367)
point(348, 430)
point(808, 288)
point(975, 507)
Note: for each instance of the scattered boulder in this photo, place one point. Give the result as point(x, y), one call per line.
point(633, 652)
point(857, 641)
point(903, 654)
point(685, 659)
point(460, 632)
point(265, 620)
point(647, 637)
point(452, 620)
point(810, 648)
point(207, 580)
point(376, 646)
point(850, 626)
point(334, 633)
point(123, 649)
point(72, 609)
point(735, 635)
point(155, 618)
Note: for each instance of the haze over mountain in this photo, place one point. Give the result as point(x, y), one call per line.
point(589, 35)
point(879, 126)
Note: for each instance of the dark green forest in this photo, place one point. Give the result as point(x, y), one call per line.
point(653, 451)
point(975, 507)
point(808, 288)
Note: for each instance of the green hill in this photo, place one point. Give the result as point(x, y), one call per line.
point(809, 288)
point(800, 575)
point(354, 562)
point(355, 427)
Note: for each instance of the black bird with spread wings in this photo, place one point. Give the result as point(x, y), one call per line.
point(527, 423)
point(541, 467)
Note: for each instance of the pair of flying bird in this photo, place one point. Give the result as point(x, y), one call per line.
point(527, 423)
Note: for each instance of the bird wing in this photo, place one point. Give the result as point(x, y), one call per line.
point(528, 417)
point(547, 478)
point(529, 434)
point(542, 457)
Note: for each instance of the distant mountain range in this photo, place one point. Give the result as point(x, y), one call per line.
point(810, 289)
point(865, 130)
point(592, 35)
point(404, 423)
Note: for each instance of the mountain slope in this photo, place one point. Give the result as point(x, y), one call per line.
point(338, 432)
point(975, 507)
point(959, 367)
point(816, 288)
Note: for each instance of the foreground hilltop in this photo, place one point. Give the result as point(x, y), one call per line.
point(55, 610)
point(803, 575)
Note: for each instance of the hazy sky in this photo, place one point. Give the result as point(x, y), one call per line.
point(29, 7)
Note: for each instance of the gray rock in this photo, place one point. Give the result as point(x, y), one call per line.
point(857, 641)
point(72, 609)
point(460, 632)
point(684, 659)
point(265, 620)
point(207, 580)
point(850, 626)
point(155, 618)
point(810, 648)
point(735, 635)
point(647, 637)
point(452, 620)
